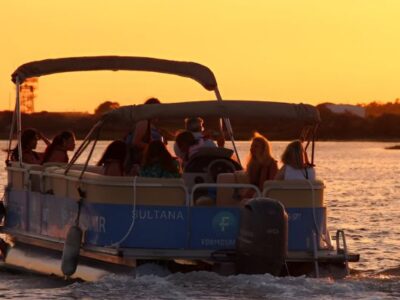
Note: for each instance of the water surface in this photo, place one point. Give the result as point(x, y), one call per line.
point(363, 197)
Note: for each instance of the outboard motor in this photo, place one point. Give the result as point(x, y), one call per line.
point(262, 244)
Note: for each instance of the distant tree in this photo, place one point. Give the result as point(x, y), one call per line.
point(106, 107)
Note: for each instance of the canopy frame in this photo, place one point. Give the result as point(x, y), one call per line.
point(195, 71)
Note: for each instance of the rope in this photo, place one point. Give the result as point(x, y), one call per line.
point(117, 244)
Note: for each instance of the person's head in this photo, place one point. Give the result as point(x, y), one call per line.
point(65, 140)
point(29, 138)
point(115, 151)
point(194, 124)
point(185, 140)
point(152, 101)
point(294, 155)
point(260, 147)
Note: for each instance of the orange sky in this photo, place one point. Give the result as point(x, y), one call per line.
point(343, 51)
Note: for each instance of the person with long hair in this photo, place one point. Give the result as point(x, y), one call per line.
point(138, 139)
point(29, 139)
point(295, 163)
point(158, 162)
point(57, 150)
point(113, 159)
point(261, 165)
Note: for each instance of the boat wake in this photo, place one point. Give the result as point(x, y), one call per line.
point(154, 283)
point(151, 281)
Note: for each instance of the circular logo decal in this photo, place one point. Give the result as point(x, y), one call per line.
point(224, 223)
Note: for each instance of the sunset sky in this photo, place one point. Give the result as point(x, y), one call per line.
point(343, 51)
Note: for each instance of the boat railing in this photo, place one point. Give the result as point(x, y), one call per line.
point(120, 188)
point(213, 196)
point(296, 192)
point(98, 187)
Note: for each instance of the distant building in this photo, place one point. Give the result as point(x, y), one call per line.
point(346, 108)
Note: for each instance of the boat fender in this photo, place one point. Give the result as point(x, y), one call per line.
point(3, 249)
point(72, 245)
point(2, 211)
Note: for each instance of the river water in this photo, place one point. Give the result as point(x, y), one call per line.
point(363, 197)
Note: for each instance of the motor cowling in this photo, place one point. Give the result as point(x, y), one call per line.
point(262, 244)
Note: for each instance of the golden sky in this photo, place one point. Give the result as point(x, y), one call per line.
point(343, 51)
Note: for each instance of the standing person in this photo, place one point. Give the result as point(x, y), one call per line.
point(57, 150)
point(195, 125)
point(261, 165)
point(295, 163)
point(145, 132)
point(158, 162)
point(113, 159)
point(29, 139)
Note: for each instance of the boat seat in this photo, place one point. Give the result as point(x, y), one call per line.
point(18, 176)
point(117, 189)
point(228, 196)
point(296, 193)
point(54, 164)
point(92, 169)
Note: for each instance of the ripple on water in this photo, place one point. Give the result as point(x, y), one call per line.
point(363, 193)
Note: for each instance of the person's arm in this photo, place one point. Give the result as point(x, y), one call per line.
point(43, 138)
point(178, 151)
point(220, 139)
point(281, 174)
point(273, 170)
point(140, 131)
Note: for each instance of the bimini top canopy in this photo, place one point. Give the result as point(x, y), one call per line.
point(227, 108)
point(197, 72)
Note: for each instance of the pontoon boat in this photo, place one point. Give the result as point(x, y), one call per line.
point(70, 220)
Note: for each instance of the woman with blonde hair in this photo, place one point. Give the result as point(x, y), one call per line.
point(261, 166)
point(295, 163)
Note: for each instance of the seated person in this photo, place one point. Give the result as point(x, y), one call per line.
point(261, 165)
point(195, 126)
point(295, 163)
point(145, 132)
point(158, 162)
point(29, 139)
point(188, 145)
point(57, 150)
point(113, 159)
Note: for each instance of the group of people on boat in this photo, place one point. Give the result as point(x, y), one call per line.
point(56, 150)
point(143, 152)
point(262, 166)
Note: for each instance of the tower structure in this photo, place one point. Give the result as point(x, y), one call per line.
point(28, 95)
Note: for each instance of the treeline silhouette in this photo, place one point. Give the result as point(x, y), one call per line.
point(382, 122)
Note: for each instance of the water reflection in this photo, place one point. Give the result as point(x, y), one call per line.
point(363, 196)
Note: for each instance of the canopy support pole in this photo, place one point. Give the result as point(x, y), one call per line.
point(82, 147)
point(228, 126)
point(11, 133)
point(19, 127)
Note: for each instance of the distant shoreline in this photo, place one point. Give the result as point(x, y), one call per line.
point(382, 127)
